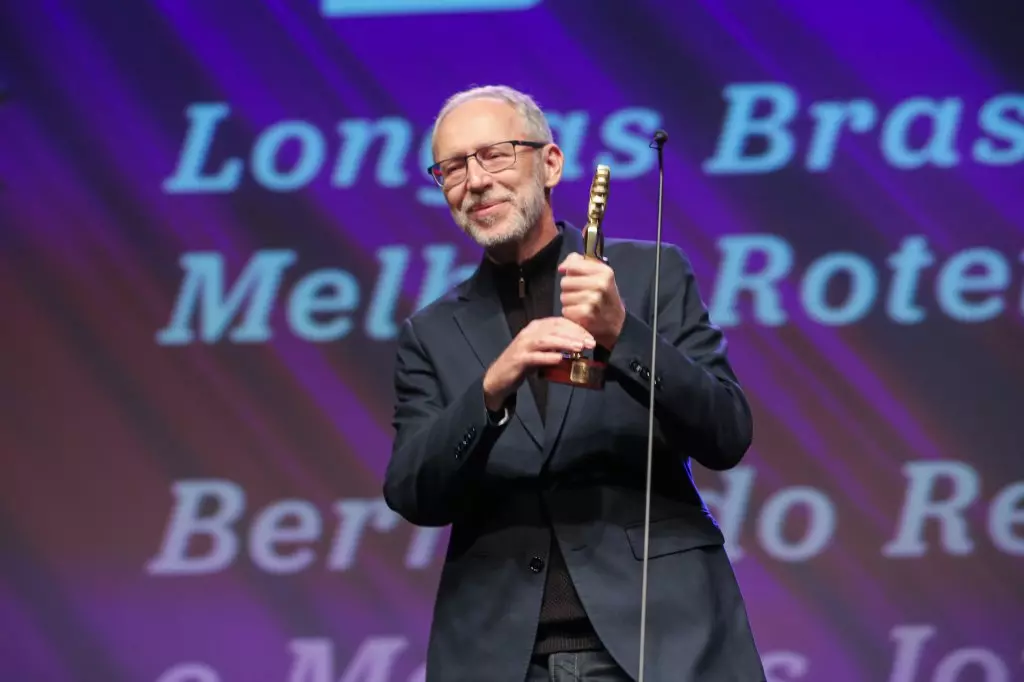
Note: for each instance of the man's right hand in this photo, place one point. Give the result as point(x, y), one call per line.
point(541, 343)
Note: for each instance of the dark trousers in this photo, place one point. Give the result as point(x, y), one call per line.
point(585, 666)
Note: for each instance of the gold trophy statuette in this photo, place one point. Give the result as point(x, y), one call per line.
point(576, 369)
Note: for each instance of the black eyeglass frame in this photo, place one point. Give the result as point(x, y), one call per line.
point(532, 144)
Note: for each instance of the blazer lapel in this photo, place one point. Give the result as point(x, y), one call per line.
point(483, 324)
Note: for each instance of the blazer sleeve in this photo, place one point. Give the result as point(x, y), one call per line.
point(698, 399)
point(439, 449)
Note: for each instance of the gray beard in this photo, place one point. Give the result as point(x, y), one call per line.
point(525, 215)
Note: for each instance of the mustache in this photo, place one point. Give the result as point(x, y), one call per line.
point(471, 203)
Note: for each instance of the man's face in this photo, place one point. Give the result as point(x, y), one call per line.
point(500, 207)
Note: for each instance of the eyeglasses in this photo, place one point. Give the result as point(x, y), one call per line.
point(492, 158)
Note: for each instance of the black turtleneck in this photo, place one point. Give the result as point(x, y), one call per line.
point(527, 292)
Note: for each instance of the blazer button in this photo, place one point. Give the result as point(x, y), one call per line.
point(536, 564)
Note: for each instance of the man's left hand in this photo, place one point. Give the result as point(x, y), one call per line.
point(590, 298)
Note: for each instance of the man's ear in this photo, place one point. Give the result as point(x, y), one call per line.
point(554, 161)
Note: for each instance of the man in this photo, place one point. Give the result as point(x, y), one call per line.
point(543, 483)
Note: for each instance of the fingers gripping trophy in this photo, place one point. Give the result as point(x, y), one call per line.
point(575, 368)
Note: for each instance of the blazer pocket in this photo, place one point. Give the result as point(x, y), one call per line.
point(673, 535)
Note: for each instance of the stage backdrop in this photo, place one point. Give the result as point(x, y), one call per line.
point(216, 215)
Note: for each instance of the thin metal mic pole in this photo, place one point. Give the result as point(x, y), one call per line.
point(3, 100)
point(660, 137)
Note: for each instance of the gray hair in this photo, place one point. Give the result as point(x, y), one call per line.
point(535, 122)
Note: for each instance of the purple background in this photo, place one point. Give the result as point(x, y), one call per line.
point(99, 419)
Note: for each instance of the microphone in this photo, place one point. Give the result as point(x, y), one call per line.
point(660, 138)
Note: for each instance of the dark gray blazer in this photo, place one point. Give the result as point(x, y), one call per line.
point(450, 465)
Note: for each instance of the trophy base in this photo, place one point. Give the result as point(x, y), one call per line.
point(577, 371)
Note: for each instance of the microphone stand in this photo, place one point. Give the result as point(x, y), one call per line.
point(3, 100)
point(660, 137)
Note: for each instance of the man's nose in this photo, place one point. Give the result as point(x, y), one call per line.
point(476, 177)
